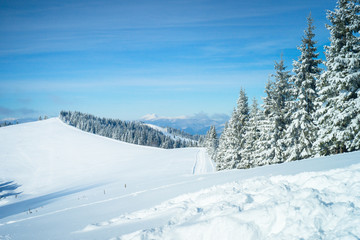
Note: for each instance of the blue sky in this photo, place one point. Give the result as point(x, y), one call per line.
point(127, 58)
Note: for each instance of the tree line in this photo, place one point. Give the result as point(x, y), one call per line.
point(128, 131)
point(312, 112)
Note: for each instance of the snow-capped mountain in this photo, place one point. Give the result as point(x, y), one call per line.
point(196, 124)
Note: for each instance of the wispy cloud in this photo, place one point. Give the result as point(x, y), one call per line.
point(175, 82)
point(141, 14)
point(51, 27)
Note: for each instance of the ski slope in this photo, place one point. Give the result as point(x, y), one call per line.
point(203, 163)
point(76, 185)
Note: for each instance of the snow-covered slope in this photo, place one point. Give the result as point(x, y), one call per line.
point(50, 155)
point(77, 185)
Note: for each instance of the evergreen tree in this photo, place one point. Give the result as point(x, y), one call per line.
point(339, 115)
point(276, 112)
point(252, 136)
point(262, 153)
point(301, 132)
point(233, 141)
point(221, 150)
point(267, 142)
point(230, 157)
point(283, 95)
point(211, 142)
point(243, 117)
point(131, 132)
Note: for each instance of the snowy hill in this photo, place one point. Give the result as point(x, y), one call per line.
point(76, 185)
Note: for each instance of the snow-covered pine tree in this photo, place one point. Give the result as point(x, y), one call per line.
point(229, 156)
point(265, 148)
point(221, 150)
point(260, 143)
point(339, 115)
point(276, 112)
point(243, 115)
point(211, 142)
point(233, 138)
point(301, 133)
point(252, 136)
point(283, 95)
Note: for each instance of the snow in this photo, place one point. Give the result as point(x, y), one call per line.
point(160, 129)
point(50, 155)
point(165, 132)
point(304, 206)
point(73, 187)
point(203, 163)
point(150, 116)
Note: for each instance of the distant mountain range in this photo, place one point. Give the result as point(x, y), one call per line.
point(196, 124)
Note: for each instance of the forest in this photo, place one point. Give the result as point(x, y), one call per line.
point(307, 113)
point(129, 131)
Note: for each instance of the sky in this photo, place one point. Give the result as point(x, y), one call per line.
point(128, 58)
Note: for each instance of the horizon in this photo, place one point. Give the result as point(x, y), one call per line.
point(126, 59)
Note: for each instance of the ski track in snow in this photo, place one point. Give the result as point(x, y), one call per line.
point(322, 205)
point(203, 163)
point(93, 203)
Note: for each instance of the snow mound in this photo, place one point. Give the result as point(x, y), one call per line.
point(322, 205)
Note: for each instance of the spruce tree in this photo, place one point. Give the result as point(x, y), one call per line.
point(232, 143)
point(252, 136)
point(243, 115)
point(221, 150)
point(339, 115)
point(267, 142)
point(301, 132)
point(211, 142)
point(277, 113)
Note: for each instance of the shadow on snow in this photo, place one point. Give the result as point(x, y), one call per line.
point(23, 206)
point(8, 189)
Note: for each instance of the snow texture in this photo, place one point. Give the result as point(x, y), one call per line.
point(311, 205)
point(76, 185)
